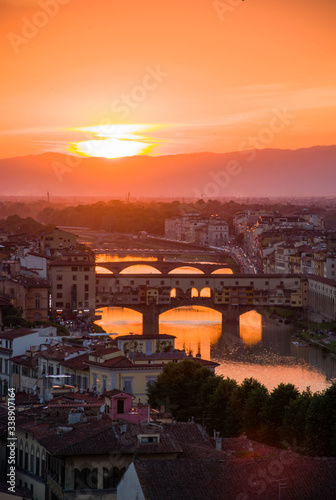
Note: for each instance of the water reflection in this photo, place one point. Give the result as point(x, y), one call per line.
point(256, 348)
point(250, 327)
point(195, 328)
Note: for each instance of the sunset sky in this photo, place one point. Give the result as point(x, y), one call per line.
point(114, 78)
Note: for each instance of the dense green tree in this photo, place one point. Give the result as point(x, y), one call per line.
point(220, 405)
point(293, 429)
point(321, 423)
point(178, 387)
point(274, 410)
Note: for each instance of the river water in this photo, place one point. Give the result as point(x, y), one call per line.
point(255, 348)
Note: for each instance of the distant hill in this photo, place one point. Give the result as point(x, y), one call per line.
point(268, 172)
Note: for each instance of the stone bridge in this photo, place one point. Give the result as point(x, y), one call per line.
point(164, 267)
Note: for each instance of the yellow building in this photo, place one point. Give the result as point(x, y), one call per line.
point(58, 239)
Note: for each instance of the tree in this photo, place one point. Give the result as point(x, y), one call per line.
point(220, 406)
point(321, 423)
point(293, 429)
point(180, 388)
point(255, 399)
point(273, 412)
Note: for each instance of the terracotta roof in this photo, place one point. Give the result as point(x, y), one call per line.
point(24, 360)
point(77, 363)
point(118, 362)
point(30, 282)
point(114, 392)
point(244, 470)
point(59, 352)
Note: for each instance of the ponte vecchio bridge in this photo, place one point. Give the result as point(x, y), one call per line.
point(209, 285)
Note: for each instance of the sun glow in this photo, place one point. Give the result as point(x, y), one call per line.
point(114, 141)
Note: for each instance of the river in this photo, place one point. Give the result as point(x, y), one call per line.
point(256, 347)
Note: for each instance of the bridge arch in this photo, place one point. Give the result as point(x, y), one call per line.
point(223, 270)
point(192, 293)
point(186, 270)
point(102, 270)
point(140, 269)
point(176, 293)
point(206, 292)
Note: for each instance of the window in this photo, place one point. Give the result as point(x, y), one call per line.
point(59, 287)
point(150, 380)
point(74, 269)
point(86, 277)
point(94, 378)
point(86, 268)
point(74, 277)
point(111, 477)
point(149, 439)
point(59, 304)
point(127, 383)
point(162, 282)
point(86, 296)
point(43, 468)
point(32, 460)
point(59, 296)
point(86, 288)
point(59, 277)
point(147, 282)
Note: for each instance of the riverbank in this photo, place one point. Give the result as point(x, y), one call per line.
point(319, 335)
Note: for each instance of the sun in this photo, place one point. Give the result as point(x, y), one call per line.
point(114, 141)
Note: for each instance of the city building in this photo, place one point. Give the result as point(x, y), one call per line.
point(73, 284)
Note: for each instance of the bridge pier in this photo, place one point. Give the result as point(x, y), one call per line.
point(150, 319)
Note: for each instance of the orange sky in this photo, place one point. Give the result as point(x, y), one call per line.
point(205, 75)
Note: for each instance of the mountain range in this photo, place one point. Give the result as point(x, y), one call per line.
point(264, 173)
